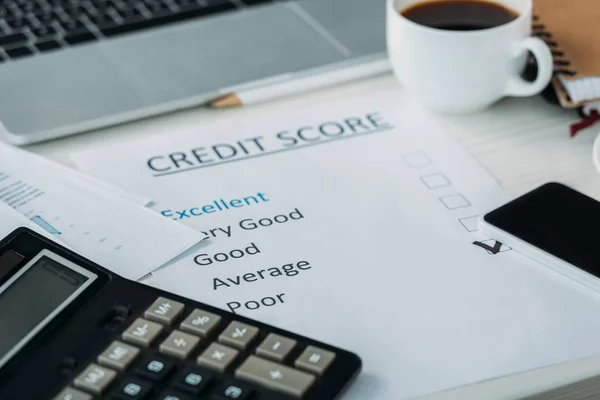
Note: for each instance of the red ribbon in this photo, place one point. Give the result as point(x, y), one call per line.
point(586, 122)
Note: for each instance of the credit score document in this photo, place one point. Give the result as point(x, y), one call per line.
point(356, 223)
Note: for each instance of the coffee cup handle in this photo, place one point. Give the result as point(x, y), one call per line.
point(518, 86)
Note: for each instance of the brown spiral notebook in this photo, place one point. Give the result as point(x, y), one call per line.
point(572, 30)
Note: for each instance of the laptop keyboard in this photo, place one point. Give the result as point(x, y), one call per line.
point(29, 27)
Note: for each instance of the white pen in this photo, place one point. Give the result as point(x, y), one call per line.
point(300, 85)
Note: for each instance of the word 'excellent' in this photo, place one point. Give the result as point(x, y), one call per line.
point(216, 206)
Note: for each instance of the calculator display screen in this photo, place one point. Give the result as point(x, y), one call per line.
point(32, 297)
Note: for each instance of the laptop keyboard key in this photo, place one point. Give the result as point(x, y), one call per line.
point(73, 10)
point(72, 25)
point(155, 6)
point(13, 39)
point(131, 13)
point(18, 52)
point(102, 19)
point(17, 23)
point(79, 36)
point(44, 31)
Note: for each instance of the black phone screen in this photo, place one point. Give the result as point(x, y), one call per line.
point(558, 220)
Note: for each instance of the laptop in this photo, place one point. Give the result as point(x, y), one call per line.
point(69, 66)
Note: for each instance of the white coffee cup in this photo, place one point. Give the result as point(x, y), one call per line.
point(457, 72)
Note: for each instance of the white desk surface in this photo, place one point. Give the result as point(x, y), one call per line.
point(522, 142)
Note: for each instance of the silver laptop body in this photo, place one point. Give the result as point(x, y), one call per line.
point(113, 80)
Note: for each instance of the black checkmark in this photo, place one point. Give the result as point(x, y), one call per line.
point(492, 250)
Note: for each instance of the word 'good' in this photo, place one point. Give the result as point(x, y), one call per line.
point(205, 259)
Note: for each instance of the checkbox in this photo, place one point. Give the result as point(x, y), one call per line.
point(455, 201)
point(417, 159)
point(435, 181)
point(470, 223)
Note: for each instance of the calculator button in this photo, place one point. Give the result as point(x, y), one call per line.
point(155, 368)
point(193, 380)
point(94, 379)
point(132, 388)
point(217, 357)
point(118, 356)
point(231, 390)
point(171, 395)
point(72, 394)
point(142, 332)
point(179, 344)
point(200, 323)
point(314, 359)
point(164, 310)
point(238, 335)
point(275, 376)
point(276, 347)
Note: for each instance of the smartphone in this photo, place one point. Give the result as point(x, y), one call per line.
point(555, 225)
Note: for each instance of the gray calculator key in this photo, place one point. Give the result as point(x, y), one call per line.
point(179, 344)
point(238, 335)
point(200, 323)
point(164, 310)
point(118, 356)
point(275, 376)
point(276, 347)
point(142, 332)
point(314, 359)
point(94, 379)
point(72, 394)
point(217, 357)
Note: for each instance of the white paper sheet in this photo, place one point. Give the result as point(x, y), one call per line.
point(110, 230)
point(354, 223)
point(11, 220)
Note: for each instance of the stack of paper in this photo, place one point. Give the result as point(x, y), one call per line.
point(356, 223)
point(96, 220)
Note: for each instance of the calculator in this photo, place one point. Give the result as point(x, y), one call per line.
point(72, 330)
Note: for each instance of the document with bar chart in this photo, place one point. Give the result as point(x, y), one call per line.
point(109, 229)
point(12, 220)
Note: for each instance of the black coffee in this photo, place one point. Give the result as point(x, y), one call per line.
point(459, 15)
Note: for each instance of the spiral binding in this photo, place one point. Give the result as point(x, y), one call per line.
point(562, 65)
